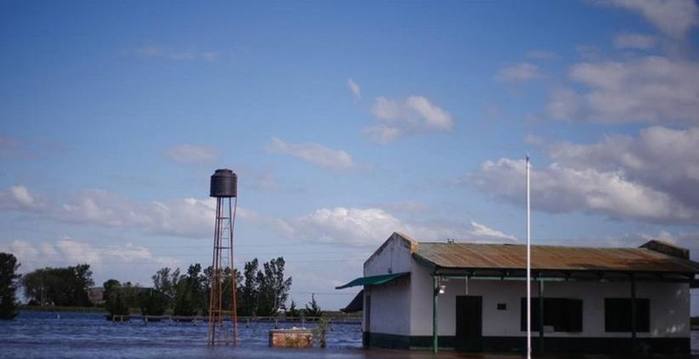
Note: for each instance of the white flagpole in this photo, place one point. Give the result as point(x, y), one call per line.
point(529, 268)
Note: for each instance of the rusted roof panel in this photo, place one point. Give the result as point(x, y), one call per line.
point(507, 256)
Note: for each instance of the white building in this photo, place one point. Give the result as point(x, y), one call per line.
point(471, 297)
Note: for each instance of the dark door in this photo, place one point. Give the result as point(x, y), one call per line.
point(469, 323)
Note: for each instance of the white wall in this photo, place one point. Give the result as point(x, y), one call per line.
point(390, 307)
point(390, 303)
point(669, 305)
point(394, 256)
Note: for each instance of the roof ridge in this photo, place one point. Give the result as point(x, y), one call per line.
point(533, 245)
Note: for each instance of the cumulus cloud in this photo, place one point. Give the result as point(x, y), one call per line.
point(19, 198)
point(634, 41)
point(518, 73)
point(660, 158)
point(371, 226)
point(355, 89)
point(557, 189)
point(651, 177)
point(313, 153)
point(483, 231)
point(192, 154)
point(673, 17)
point(68, 251)
point(649, 89)
point(185, 217)
point(415, 114)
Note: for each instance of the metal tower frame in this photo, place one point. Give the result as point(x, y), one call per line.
point(226, 208)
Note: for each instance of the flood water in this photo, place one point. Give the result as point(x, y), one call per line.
point(89, 335)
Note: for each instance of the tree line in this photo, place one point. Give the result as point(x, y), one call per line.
point(262, 290)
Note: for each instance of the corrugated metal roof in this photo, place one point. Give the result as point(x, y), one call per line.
point(506, 256)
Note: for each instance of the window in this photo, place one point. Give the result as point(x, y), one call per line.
point(563, 314)
point(617, 314)
point(502, 306)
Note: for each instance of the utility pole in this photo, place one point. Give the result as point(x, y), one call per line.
point(529, 268)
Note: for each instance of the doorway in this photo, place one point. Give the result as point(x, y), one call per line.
point(469, 323)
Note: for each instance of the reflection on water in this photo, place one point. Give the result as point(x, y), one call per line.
point(89, 335)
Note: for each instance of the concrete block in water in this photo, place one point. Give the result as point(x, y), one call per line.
point(291, 338)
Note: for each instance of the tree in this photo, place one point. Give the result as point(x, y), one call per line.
point(8, 285)
point(152, 302)
point(292, 312)
point(312, 308)
point(165, 281)
point(249, 291)
point(189, 295)
point(66, 286)
point(114, 301)
point(273, 289)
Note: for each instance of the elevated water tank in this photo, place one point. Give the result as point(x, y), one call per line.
point(224, 183)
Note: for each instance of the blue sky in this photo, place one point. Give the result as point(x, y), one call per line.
point(345, 122)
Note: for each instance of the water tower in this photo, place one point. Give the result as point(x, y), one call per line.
point(222, 297)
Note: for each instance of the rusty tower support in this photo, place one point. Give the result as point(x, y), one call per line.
point(222, 296)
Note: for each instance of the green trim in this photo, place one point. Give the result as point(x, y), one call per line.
point(373, 280)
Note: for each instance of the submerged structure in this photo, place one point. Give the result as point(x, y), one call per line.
point(222, 296)
point(471, 297)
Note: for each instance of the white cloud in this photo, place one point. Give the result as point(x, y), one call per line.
point(650, 89)
point(518, 73)
point(660, 158)
point(185, 217)
point(483, 231)
point(635, 41)
point(673, 17)
point(651, 177)
point(346, 225)
point(560, 189)
point(371, 226)
point(415, 114)
point(192, 154)
point(19, 198)
point(355, 89)
point(118, 259)
point(313, 153)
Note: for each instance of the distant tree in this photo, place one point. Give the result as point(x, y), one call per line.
point(273, 288)
point(130, 293)
point(292, 312)
point(165, 281)
point(228, 289)
point(189, 295)
point(114, 302)
point(249, 291)
point(66, 286)
point(312, 308)
point(152, 302)
point(8, 285)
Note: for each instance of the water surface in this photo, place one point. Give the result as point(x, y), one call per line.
point(89, 335)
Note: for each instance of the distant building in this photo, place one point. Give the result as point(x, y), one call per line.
point(593, 299)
